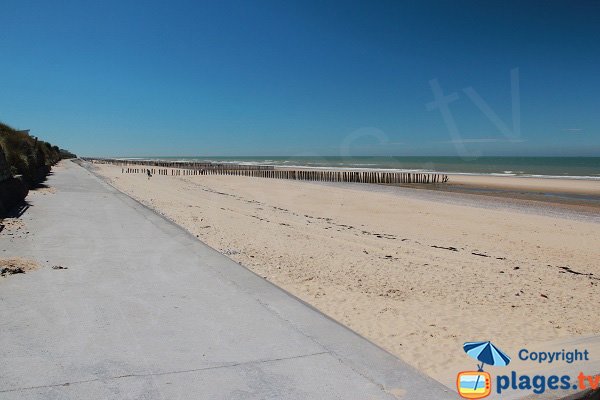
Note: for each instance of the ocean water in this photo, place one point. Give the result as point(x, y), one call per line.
point(551, 167)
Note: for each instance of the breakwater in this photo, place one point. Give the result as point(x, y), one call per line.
point(179, 168)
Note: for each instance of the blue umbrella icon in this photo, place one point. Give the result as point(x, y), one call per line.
point(487, 353)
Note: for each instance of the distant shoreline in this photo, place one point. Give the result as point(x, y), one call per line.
point(565, 191)
point(581, 194)
point(572, 168)
point(557, 190)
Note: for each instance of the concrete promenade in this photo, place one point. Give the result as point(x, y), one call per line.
point(146, 311)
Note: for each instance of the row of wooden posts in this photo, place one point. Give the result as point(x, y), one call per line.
point(305, 175)
point(160, 171)
point(180, 164)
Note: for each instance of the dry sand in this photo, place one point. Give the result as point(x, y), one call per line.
point(416, 276)
point(16, 265)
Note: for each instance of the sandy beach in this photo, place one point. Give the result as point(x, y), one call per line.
point(417, 274)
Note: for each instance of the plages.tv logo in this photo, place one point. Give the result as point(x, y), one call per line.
point(478, 384)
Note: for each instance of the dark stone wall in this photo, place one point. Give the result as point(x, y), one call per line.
point(4, 167)
point(12, 192)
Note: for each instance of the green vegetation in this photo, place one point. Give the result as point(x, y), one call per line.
point(26, 155)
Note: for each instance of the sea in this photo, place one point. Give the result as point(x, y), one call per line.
point(545, 167)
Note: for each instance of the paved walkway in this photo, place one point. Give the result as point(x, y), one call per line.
point(146, 311)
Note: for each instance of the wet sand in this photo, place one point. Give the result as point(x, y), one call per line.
point(581, 194)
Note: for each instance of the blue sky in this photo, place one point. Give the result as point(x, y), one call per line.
point(123, 78)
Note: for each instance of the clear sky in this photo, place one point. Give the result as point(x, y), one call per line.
point(124, 78)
